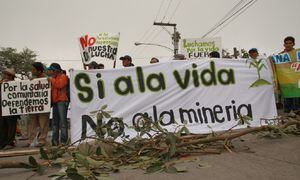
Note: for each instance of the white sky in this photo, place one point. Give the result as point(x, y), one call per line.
point(52, 27)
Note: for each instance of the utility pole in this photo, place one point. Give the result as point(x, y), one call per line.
point(175, 36)
point(235, 52)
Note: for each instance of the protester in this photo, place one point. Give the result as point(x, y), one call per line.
point(59, 82)
point(253, 53)
point(7, 123)
point(101, 66)
point(214, 54)
point(126, 61)
point(293, 103)
point(154, 60)
point(40, 120)
point(49, 71)
point(179, 57)
point(93, 65)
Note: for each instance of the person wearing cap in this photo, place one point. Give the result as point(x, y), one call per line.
point(59, 99)
point(49, 71)
point(154, 60)
point(101, 66)
point(214, 54)
point(253, 53)
point(8, 124)
point(40, 120)
point(93, 65)
point(126, 61)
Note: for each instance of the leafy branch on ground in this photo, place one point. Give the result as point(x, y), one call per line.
point(154, 149)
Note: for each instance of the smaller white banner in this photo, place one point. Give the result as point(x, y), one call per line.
point(99, 47)
point(195, 48)
point(25, 97)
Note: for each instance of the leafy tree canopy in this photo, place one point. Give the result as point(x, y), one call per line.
point(20, 61)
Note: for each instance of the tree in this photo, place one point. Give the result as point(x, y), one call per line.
point(20, 61)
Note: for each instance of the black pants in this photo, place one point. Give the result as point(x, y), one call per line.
point(291, 104)
point(7, 130)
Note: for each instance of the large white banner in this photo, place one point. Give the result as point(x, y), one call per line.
point(205, 93)
point(99, 47)
point(25, 97)
point(195, 48)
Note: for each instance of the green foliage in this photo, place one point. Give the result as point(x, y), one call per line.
point(20, 61)
point(154, 149)
point(43, 154)
point(32, 161)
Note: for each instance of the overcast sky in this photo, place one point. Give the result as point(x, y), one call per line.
point(52, 27)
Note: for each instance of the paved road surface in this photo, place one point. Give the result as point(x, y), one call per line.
point(268, 159)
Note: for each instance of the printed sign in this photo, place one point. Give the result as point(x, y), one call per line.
point(287, 66)
point(204, 93)
point(25, 97)
point(195, 48)
point(99, 47)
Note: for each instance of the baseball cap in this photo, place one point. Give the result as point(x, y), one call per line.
point(252, 50)
point(126, 57)
point(55, 67)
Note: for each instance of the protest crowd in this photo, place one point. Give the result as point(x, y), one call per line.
point(40, 124)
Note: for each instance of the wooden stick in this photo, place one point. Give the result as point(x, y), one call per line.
point(19, 153)
point(237, 134)
point(11, 164)
point(25, 152)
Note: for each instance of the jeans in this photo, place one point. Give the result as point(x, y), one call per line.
point(291, 104)
point(60, 119)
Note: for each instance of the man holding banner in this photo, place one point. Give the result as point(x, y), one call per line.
point(287, 67)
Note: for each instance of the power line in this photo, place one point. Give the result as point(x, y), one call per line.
point(178, 4)
point(155, 36)
point(230, 12)
point(159, 10)
point(233, 18)
point(151, 41)
point(166, 10)
point(150, 36)
point(239, 10)
point(133, 49)
point(146, 33)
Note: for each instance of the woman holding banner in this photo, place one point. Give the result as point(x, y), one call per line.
point(8, 124)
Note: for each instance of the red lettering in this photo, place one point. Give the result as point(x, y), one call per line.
point(86, 41)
